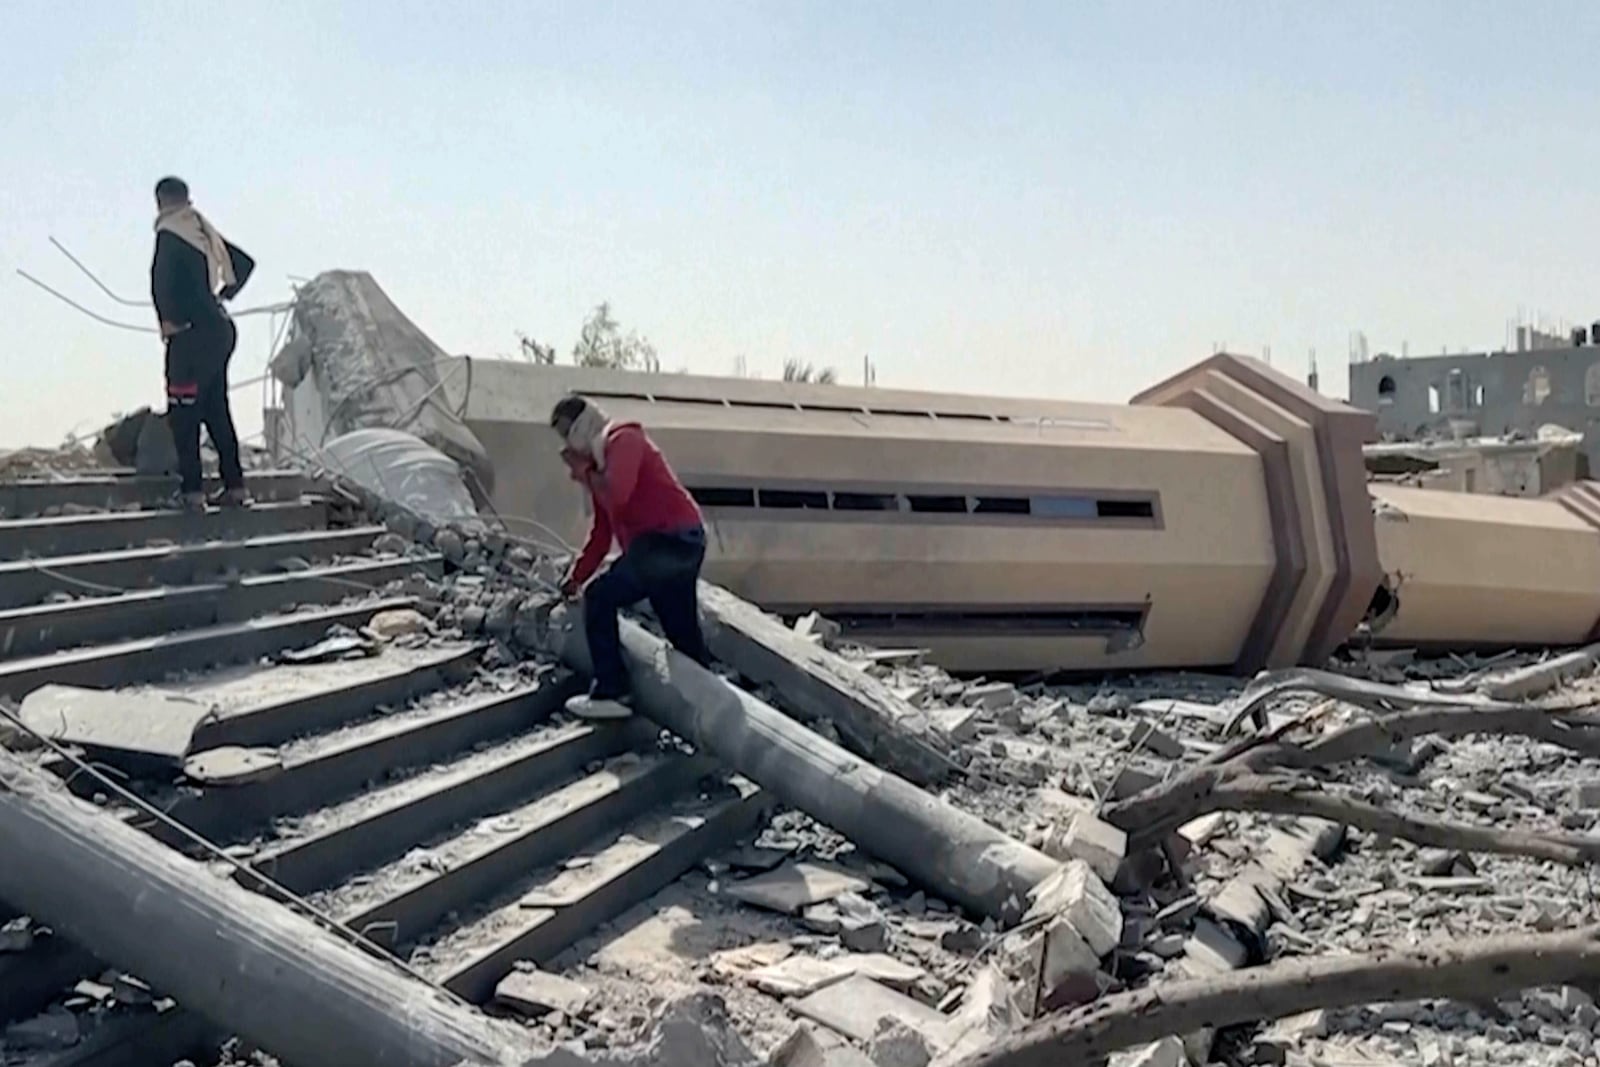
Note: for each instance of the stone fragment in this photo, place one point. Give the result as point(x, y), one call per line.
point(990, 696)
point(451, 545)
point(963, 938)
point(397, 622)
point(1450, 884)
point(1240, 901)
point(1075, 893)
point(797, 976)
point(17, 935)
point(811, 1046)
point(1168, 1052)
point(1094, 841)
point(756, 857)
point(898, 1045)
point(1198, 831)
point(535, 993)
point(823, 919)
point(861, 924)
point(232, 765)
point(988, 1012)
point(138, 729)
point(391, 544)
point(1589, 794)
point(854, 1007)
point(796, 886)
point(813, 627)
point(1212, 949)
point(956, 724)
point(737, 962)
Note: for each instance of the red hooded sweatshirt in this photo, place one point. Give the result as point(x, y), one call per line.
point(636, 493)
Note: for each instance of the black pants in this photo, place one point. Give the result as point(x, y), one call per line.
point(662, 568)
point(197, 395)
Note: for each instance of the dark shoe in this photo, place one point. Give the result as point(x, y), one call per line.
point(598, 706)
point(231, 498)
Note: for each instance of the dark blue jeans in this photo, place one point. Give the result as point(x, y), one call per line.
point(663, 569)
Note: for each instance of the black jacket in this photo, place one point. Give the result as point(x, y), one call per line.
point(180, 285)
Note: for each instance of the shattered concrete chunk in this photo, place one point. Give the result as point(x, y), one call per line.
point(1214, 950)
point(990, 695)
point(1076, 894)
point(796, 886)
point(17, 935)
point(535, 993)
point(232, 765)
point(1096, 842)
point(898, 1045)
point(397, 622)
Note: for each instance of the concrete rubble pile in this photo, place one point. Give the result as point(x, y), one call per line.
point(1182, 869)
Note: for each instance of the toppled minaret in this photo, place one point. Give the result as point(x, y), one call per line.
point(371, 368)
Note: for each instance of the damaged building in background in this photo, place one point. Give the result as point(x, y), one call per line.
point(1546, 380)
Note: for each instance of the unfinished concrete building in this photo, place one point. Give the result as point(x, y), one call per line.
point(1483, 393)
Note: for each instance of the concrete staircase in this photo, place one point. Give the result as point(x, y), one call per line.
point(432, 803)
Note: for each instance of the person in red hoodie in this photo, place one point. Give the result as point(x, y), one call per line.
point(638, 501)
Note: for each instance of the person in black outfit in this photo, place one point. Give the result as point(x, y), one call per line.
point(193, 273)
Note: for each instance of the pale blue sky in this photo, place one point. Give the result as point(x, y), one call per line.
point(1070, 199)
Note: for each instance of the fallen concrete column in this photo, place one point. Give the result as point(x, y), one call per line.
point(249, 965)
point(948, 852)
point(821, 685)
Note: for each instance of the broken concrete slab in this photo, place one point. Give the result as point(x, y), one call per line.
point(232, 765)
point(990, 696)
point(795, 887)
point(136, 731)
point(854, 1006)
point(535, 993)
point(18, 935)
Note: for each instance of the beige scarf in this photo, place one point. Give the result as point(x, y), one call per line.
point(588, 434)
point(187, 223)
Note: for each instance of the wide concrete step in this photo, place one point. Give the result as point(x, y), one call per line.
point(553, 909)
point(25, 582)
point(68, 535)
point(43, 628)
point(147, 659)
point(436, 781)
point(40, 496)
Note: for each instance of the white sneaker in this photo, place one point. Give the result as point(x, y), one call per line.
point(585, 706)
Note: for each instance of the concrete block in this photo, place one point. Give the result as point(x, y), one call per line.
point(990, 696)
point(956, 724)
point(1589, 795)
point(1213, 950)
point(535, 993)
point(1094, 841)
point(1076, 894)
point(1148, 738)
point(1135, 778)
point(1240, 901)
point(1168, 1052)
